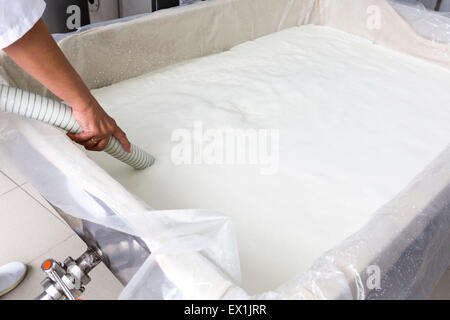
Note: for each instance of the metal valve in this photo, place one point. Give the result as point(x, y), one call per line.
point(67, 281)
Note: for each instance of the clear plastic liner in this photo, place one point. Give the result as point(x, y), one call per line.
point(429, 24)
point(184, 241)
point(194, 253)
point(401, 253)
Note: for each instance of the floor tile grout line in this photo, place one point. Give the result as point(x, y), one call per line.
point(6, 192)
point(54, 246)
point(41, 204)
point(11, 179)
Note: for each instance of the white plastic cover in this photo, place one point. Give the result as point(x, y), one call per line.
point(194, 254)
point(432, 25)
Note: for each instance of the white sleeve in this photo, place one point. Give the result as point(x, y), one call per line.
point(17, 17)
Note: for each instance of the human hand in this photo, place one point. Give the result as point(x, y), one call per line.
point(97, 126)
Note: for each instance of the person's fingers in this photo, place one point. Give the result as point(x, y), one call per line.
point(122, 137)
point(91, 143)
point(72, 137)
point(100, 146)
point(80, 137)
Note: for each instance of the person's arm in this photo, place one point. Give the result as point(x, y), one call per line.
point(38, 54)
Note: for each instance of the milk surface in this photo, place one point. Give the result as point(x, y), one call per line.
point(334, 125)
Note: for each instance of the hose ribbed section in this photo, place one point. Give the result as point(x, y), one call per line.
point(58, 114)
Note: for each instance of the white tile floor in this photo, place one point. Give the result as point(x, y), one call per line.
point(31, 231)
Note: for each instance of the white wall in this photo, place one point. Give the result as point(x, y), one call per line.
point(113, 9)
point(132, 7)
point(108, 10)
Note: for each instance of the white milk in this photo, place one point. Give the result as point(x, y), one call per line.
point(349, 124)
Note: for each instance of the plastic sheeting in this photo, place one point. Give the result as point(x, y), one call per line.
point(198, 246)
point(112, 53)
point(432, 25)
point(194, 254)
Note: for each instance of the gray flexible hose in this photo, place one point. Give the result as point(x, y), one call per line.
point(58, 114)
